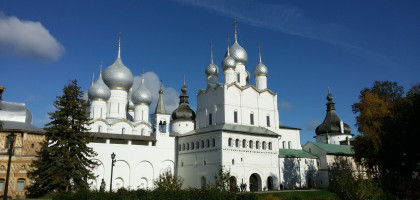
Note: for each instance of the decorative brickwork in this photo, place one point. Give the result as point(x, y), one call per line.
point(25, 149)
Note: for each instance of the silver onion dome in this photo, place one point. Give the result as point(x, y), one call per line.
point(212, 69)
point(260, 70)
point(238, 53)
point(248, 76)
point(118, 76)
point(141, 95)
point(99, 91)
point(228, 62)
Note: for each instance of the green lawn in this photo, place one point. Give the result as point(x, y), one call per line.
point(298, 195)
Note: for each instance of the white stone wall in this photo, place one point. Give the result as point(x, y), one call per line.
point(333, 139)
point(221, 103)
point(137, 164)
point(117, 104)
point(290, 139)
point(98, 109)
point(182, 126)
point(298, 172)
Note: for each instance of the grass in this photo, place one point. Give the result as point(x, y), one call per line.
point(298, 195)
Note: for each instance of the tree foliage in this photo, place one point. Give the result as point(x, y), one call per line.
point(168, 182)
point(350, 186)
point(65, 159)
point(389, 123)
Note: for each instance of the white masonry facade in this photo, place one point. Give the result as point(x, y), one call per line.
point(236, 126)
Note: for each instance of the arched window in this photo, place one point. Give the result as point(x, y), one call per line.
point(284, 144)
point(290, 144)
point(20, 184)
point(202, 144)
point(188, 146)
point(251, 144)
point(237, 143)
point(263, 145)
point(210, 119)
point(268, 120)
point(257, 145)
point(142, 131)
point(183, 147)
point(214, 142)
point(123, 130)
point(230, 142)
point(197, 144)
point(270, 146)
point(235, 116)
point(208, 143)
point(99, 129)
point(192, 145)
point(251, 118)
point(244, 143)
point(310, 150)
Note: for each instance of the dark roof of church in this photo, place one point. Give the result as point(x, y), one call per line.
point(183, 112)
point(332, 123)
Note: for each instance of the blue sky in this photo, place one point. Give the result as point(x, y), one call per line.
point(306, 45)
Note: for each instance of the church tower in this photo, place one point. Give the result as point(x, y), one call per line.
point(160, 119)
point(260, 73)
point(119, 79)
point(98, 94)
point(212, 71)
point(183, 118)
point(332, 130)
point(241, 58)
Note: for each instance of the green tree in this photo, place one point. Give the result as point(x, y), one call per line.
point(350, 186)
point(388, 121)
point(65, 159)
point(168, 182)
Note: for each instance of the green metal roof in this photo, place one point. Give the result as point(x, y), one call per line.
point(295, 153)
point(335, 148)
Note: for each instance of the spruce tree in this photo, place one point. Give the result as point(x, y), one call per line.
point(64, 161)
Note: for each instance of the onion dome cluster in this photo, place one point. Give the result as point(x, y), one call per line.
point(183, 112)
point(141, 95)
point(99, 90)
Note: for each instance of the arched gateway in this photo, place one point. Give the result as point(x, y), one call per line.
point(255, 182)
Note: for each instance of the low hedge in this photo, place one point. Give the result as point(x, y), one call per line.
point(188, 194)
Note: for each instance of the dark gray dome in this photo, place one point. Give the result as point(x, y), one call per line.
point(238, 53)
point(183, 112)
point(260, 70)
point(332, 123)
point(141, 95)
point(99, 91)
point(118, 76)
point(212, 69)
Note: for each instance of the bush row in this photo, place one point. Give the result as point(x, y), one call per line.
point(188, 194)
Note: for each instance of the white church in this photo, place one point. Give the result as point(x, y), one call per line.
point(236, 125)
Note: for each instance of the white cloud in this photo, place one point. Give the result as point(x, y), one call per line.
point(285, 105)
point(170, 95)
point(28, 39)
point(312, 124)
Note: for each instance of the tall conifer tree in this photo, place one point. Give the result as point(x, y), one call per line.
point(64, 161)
